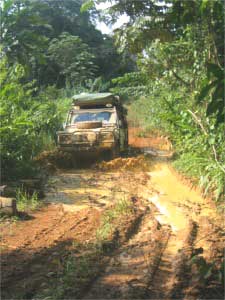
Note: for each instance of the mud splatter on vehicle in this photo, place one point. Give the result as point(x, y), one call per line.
point(95, 123)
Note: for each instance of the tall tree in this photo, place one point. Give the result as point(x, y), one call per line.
point(30, 26)
point(22, 30)
point(73, 59)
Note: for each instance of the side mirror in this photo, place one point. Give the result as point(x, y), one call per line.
point(120, 123)
point(64, 125)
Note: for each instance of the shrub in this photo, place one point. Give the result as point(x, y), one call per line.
point(29, 121)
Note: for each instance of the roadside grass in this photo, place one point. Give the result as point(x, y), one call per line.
point(203, 172)
point(4, 218)
point(25, 201)
point(85, 260)
point(76, 273)
point(108, 222)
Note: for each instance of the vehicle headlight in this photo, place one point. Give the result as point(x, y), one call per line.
point(107, 135)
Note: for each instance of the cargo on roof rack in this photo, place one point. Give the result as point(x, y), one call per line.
point(86, 99)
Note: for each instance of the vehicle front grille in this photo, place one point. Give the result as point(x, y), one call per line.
point(89, 137)
point(78, 138)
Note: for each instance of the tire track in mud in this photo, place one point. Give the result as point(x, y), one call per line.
point(33, 260)
point(163, 269)
point(208, 252)
point(172, 275)
point(186, 211)
point(153, 264)
point(133, 265)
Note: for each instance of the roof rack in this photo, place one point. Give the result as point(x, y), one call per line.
point(95, 99)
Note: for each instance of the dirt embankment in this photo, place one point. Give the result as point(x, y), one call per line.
point(124, 229)
point(139, 139)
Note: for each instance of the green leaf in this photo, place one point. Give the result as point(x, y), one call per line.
point(212, 141)
point(204, 5)
point(87, 5)
point(7, 4)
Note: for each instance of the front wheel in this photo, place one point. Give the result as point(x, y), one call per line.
point(74, 161)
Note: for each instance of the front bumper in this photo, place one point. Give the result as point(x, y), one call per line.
point(104, 146)
point(86, 141)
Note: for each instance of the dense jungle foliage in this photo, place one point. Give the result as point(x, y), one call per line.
point(168, 60)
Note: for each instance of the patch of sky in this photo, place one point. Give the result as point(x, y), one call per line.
point(108, 29)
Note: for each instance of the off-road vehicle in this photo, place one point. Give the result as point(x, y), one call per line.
point(95, 123)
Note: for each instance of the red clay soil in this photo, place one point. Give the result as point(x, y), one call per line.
point(131, 164)
point(30, 247)
point(155, 142)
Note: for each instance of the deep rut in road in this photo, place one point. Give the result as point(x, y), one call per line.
point(134, 264)
point(166, 258)
point(151, 265)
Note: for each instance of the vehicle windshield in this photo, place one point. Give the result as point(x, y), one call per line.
point(103, 116)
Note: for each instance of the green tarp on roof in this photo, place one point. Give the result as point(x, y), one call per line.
point(94, 98)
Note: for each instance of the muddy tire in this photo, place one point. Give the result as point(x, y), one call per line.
point(115, 152)
point(74, 162)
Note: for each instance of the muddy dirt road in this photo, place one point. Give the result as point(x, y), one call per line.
point(123, 229)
